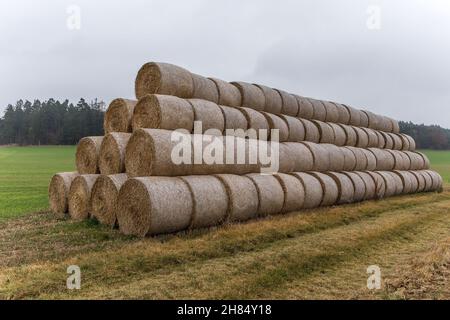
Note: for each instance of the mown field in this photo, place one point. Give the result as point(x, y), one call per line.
point(315, 254)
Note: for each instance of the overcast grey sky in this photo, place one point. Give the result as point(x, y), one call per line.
point(391, 57)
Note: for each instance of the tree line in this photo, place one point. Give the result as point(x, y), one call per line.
point(427, 137)
point(51, 122)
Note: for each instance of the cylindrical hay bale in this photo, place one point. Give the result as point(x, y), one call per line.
point(209, 115)
point(290, 104)
point(105, 193)
point(210, 201)
point(311, 131)
point(373, 138)
point(163, 112)
point(373, 120)
point(252, 96)
point(164, 78)
point(325, 131)
point(344, 114)
point(329, 187)
point(346, 190)
point(350, 135)
point(388, 141)
point(371, 160)
point(58, 192)
point(395, 126)
point(339, 134)
point(242, 197)
point(381, 140)
point(332, 112)
point(418, 160)
point(380, 184)
point(320, 113)
point(391, 187)
point(87, 154)
point(154, 205)
point(426, 161)
point(321, 156)
point(301, 155)
point(401, 160)
point(112, 153)
point(405, 142)
point(234, 118)
point(294, 193)
point(414, 182)
point(256, 121)
point(278, 123)
point(428, 180)
point(286, 160)
point(274, 103)
point(406, 182)
point(358, 185)
point(349, 159)
point(385, 160)
point(355, 119)
point(337, 157)
point(205, 88)
point(400, 186)
point(118, 116)
point(270, 194)
point(80, 196)
point(314, 192)
point(387, 124)
point(229, 95)
point(364, 119)
point(369, 182)
point(305, 108)
point(362, 138)
point(420, 180)
point(398, 143)
point(361, 159)
point(437, 182)
point(296, 129)
point(411, 142)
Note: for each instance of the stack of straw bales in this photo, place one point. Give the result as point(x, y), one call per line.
point(329, 154)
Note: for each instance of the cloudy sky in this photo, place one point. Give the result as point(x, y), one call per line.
point(391, 57)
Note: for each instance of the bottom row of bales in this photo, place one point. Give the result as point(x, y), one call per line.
point(157, 205)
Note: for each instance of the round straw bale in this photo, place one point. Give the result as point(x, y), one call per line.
point(369, 183)
point(349, 159)
point(398, 143)
point(208, 114)
point(420, 180)
point(406, 181)
point(332, 112)
point(320, 113)
point(252, 96)
point(364, 122)
point(391, 186)
point(416, 161)
point(234, 118)
point(290, 104)
point(426, 161)
point(346, 190)
point(118, 116)
point(311, 131)
point(87, 154)
point(274, 103)
point(385, 160)
point(278, 123)
point(80, 196)
point(436, 179)
point(104, 195)
point(381, 140)
point(388, 141)
point(302, 156)
point(355, 119)
point(154, 205)
point(256, 120)
point(350, 135)
point(405, 142)
point(205, 88)
point(314, 192)
point(358, 185)
point(305, 108)
point(163, 112)
point(373, 119)
point(337, 157)
point(400, 162)
point(242, 197)
point(385, 124)
point(400, 185)
point(270, 193)
point(371, 160)
point(329, 187)
point(164, 78)
point(112, 153)
point(344, 114)
point(380, 184)
point(428, 180)
point(412, 142)
point(296, 129)
point(361, 159)
point(373, 138)
point(294, 192)
point(287, 162)
point(58, 192)
point(210, 201)
point(395, 126)
point(229, 95)
point(325, 131)
point(414, 182)
point(339, 134)
point(321, 156)
point(362, 138)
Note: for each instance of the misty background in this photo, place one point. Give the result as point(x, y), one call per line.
point(391, 57)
